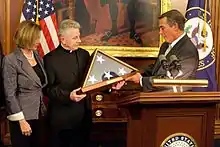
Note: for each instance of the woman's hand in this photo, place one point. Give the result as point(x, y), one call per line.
point(25, 127)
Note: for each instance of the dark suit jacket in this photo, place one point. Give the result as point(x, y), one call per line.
point(22, 86)
point(63, 77)
point(185, 51)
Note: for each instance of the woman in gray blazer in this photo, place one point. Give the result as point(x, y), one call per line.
point(23, 78)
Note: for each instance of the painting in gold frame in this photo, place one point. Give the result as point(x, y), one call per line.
point(107, 26)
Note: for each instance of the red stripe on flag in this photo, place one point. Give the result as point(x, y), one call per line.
point(41, 51)
point(47, 34)
point(54, 19)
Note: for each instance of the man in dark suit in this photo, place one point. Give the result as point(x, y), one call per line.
point(171, 25)
point(69, 113)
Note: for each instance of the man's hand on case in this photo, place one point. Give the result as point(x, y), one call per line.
point(135, 78)
point(75, 97)
point(118, 85)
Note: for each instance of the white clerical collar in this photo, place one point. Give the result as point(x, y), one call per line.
point(70, 51)
point(175, 41)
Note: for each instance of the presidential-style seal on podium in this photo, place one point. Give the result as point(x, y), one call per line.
point(179, 140)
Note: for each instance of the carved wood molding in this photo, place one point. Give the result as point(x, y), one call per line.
point(217, 129)
point(170, 98)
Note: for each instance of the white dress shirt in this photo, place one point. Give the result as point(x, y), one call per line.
point(171, 45)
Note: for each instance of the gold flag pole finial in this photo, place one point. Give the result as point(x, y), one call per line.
point(204, 31)
point(37, 12)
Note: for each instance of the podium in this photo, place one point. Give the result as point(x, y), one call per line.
point(164, 119)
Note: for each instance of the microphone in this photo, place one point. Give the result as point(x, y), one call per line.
point(165, 65)
point(175, 62)
point(164, 62)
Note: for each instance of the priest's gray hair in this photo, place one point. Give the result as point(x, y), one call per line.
point(67, 24)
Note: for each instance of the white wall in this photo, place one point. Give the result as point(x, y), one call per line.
point(179, 5)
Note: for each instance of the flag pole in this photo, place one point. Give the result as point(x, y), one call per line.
point(204, 31)
point(37, 7)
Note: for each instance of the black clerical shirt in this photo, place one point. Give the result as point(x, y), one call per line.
point(65, 71)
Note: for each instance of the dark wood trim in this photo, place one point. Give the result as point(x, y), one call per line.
point(7, 27)
point(163, 97)
point(215, 14)
point(217, 129)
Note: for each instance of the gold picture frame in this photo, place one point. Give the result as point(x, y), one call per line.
point(115, 50)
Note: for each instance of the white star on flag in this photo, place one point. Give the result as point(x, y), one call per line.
point(100, 59)
point(108, 75)
point(28, 10)
point(29, 3)
point(122, 71)
point(92, 79)
point(106, 70)
point(45, 12)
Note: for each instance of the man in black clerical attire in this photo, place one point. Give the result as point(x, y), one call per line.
point(132, 16)
point(69, 114)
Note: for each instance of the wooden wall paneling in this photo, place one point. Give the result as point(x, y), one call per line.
point(217, 129)
point(4, 38)
point(9, 16)
point(15, 15)
point(216, 37)
point(2, 26)
point(8, 29)
point(215, 11)
point(218, 44)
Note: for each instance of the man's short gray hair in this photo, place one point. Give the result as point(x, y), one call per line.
point(67, 24)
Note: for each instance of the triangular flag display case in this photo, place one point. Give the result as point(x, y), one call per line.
point(105, 70)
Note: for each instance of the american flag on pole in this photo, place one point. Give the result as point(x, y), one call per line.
point(198, 28)
point(43, 13)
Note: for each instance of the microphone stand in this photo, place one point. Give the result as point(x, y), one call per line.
point(180, 73)
point(176, 65)
point(169, 75)
point(166, 67)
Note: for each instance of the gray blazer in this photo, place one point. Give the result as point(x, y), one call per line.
point(22, 86)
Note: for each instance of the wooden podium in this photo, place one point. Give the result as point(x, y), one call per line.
point(171, 119)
